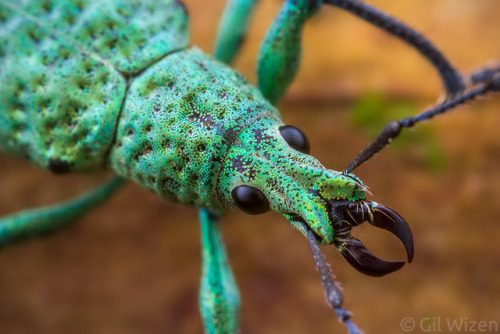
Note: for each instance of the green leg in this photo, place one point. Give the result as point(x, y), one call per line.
point(31, 223)
point(219, 297)
point(232, 29)
point(279, 56)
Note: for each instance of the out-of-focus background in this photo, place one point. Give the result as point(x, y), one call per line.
point(133, 265)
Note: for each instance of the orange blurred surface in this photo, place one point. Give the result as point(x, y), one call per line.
point(133, 265)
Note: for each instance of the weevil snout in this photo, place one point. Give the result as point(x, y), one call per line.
point(268, 168)
point(343, 216)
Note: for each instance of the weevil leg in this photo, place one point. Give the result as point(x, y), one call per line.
point(332, 291)
point(452, 79)
point(219, 297)
point(279, 55)
point(232, 29)
point(35, 222)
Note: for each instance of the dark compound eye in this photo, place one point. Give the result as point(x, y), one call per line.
point(250, 200)
point(295, 138)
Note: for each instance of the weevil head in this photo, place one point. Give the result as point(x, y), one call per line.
point(268, 168)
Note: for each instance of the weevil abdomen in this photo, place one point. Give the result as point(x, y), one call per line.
point(88, 85)
point(180, 118)
point(64, 70)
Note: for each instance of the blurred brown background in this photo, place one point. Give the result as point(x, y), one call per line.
point(133, 265)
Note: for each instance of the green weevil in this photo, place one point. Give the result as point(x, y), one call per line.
point(115, 85)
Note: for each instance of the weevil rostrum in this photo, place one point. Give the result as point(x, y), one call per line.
point(186, 127)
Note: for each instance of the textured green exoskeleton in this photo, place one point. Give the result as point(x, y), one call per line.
point(110, 84)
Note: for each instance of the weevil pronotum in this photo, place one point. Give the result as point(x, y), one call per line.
point(186, 126)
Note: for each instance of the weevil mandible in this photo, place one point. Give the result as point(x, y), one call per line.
point(90, 86)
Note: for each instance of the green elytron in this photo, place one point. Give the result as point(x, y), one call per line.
point(95, 85)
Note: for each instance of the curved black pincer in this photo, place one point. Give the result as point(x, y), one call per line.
point(346, 215)
point(358, 256)
point(389, 220)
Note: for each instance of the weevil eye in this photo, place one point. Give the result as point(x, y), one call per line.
point(295, 138)
point(250, 200)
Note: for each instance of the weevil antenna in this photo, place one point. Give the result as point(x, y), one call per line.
point(332, 291)
point(484, 81)
point(484, 75)
point(452, 79)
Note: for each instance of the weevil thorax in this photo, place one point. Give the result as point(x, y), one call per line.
point(293, 183)
point(192, 130)
point(180, 118)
